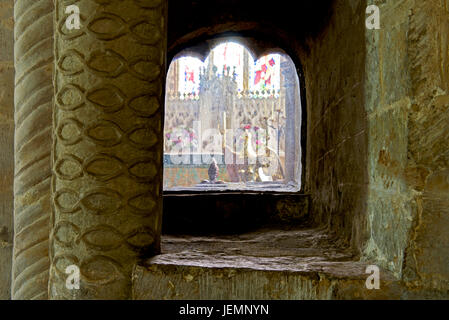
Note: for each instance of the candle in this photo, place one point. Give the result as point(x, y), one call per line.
point(224, 128)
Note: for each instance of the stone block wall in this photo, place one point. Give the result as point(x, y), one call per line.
point(426, 265)
point(378, 157)
point(407, 105)
point(388, 100)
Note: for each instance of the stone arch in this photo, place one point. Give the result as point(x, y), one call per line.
point(260, 42)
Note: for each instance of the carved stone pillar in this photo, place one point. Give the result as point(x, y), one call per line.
point(33, 61)
point(108, 147)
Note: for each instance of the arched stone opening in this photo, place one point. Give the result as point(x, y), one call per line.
point(243, 112)
point(376, 141)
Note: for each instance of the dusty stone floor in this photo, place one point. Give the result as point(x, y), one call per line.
point(299, 250)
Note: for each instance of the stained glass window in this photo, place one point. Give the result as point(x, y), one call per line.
point(265, 73)
point(232, 122)
point(189, 74)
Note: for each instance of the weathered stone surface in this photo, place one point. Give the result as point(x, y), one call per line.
point(388, 100)
point(174, 281)
point(427, 256)
point(107, 156)
point(268, 264)
point(33, 103)
point(6, 144)
point(337, 134)
point(309, 243)
point(5, 267)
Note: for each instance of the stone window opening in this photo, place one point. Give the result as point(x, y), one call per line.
point(236, 223)
point(232, 121)
point(233, 149)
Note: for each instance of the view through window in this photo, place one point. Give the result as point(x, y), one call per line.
point(232, 122)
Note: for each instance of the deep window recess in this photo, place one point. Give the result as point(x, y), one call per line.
point(232, 122)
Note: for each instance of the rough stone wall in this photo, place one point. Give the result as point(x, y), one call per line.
point(334, 69)
point(6, 144)
point(407, 94)
point(427, 173)
point(377, 160)
point(388, 101)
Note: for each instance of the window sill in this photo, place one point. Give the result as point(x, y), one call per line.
point(265, 264)
point(272, 187)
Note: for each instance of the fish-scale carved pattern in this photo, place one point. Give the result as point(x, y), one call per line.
point(33, 103)
point(107, 152)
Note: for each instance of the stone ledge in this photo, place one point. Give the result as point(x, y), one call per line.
point(159, 281)
point(274, 264)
